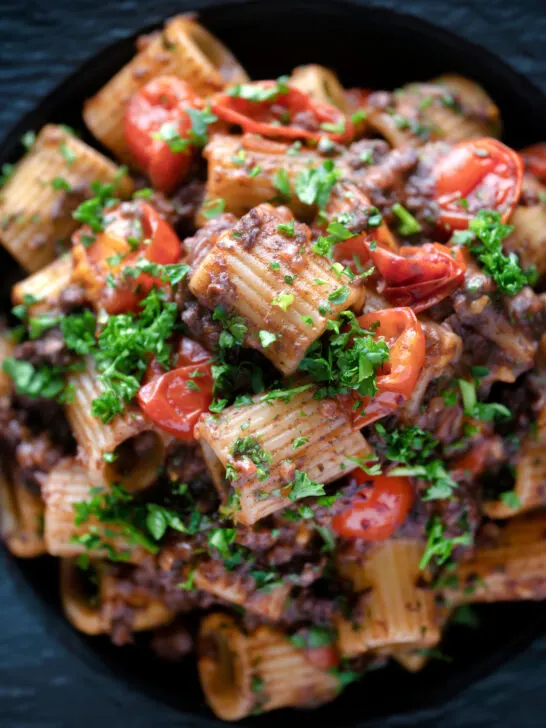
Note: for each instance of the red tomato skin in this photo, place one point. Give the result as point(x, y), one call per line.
point(165, 397)
point(163, 100)
point(378, 510)
point(485, 172)
point(256, 117)
point(406, 341)
point(168, 401)
point(419, 277)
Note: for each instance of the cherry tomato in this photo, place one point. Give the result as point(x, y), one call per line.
point(378, 510)
point(290, 114)
point(419, 277)
point(534, 158)
point(176, 399)
point(397, 378)
point(164, 100)
point(111, 252)
point(348, 201)
point(483, 172)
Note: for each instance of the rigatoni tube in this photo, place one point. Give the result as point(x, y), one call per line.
point(298, 433)
point(39, 198)
point(137, 448)
point(68, 487)
point(242, 674)
point(183, 48)
point(393, 611)
point(243, 170)
point(285, 292)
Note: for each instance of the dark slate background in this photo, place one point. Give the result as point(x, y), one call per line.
point(42, 685)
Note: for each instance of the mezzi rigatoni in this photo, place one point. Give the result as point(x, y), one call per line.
point(242, 171)
point(52, 179)
point(276, 282)
point(183, 48)
point(68, 487)
point(45, 286)
point(393, 610)
point(132, 463)
point(530, 483)
point(96, 616)
point(299, 433)
point(256, 672)
point(21, 517)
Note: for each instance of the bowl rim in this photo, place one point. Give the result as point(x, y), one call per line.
point(78, 645)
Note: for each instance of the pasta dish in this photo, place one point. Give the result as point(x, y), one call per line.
point(273, 386)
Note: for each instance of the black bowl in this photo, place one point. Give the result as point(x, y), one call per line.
point(372, 47)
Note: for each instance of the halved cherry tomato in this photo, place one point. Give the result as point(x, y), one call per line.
point(164, 100)
point(419, 277)
point(347, 201)
point(111, 252)
point(175, 400)
point(289, 113)
point(397, 378)
point(377, 510)
point(534, 158)
point(484, 172)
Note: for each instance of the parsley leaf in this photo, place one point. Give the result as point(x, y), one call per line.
point(346, 361)
point(124, 347)
point(266, 338)
point(33, 382)
point(484, 238)
point(213, 208)
point(283, 300)
point(408, 224)
point(304, 487)
point(78, 330)
point(438, 546)
point(313, 186)
point(248, 448)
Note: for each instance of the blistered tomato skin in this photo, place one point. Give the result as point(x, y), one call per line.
point(378, 510)
point(176, 399)
point(402, 332)
point(479, 174)
point(162, 104)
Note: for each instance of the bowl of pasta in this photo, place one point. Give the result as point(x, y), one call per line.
point(274, 359)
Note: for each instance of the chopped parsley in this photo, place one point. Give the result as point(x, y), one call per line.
point(511, 499)
point(6, 171)
point(484, 238)
point(266, 338)
point(43, 381)
point(438, 546)
point(408, 224)
point(91, 212)
point(287, 229)
point(124, 346)
point(258, 93)
point(28, 139)
point(346, 361)
point(283, 300)
point(485, 411)
point(281, 182)
point(67, 153)
point(313, 186)
point(414, 448)
point(248, 448)
point(213, 208)
point(304, 487)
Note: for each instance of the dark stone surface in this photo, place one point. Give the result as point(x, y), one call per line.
point(41, 684)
